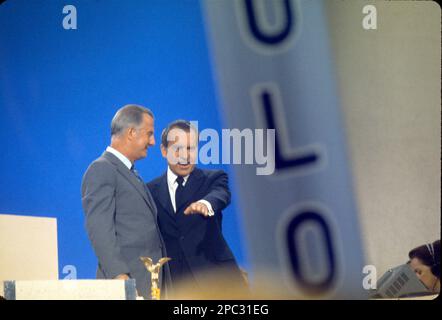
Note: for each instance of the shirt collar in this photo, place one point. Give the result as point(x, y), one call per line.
point(171, 177)
point(120, 156)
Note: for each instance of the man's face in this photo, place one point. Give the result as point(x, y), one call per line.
point(181, 151)
point(141, 138)
point(423, 272)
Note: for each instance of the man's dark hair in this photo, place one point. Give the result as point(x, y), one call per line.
point(180, 124)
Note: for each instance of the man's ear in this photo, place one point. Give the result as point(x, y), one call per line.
point(130, 133)
point(163, 151)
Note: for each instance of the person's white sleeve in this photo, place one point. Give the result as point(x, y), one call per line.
point(209, 206)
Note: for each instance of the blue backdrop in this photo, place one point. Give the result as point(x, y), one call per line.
point(60, 88)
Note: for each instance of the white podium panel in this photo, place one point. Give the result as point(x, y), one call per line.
point(70, 290)
point(28, 248)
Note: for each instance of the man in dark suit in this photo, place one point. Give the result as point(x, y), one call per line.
point(189, 202)
point(121, 215)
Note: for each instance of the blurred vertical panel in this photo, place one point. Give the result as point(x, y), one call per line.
point(274, 70)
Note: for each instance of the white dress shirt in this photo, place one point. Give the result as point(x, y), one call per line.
point(173, 185)
point(120, 156)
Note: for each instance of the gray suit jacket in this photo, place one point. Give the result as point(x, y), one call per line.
point(121, 222)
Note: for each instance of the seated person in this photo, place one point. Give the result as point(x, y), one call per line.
point(425, 261)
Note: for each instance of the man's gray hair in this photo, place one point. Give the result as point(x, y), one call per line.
point(131, 115)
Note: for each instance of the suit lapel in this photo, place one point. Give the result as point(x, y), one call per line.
point(137, 184)
point(164, 196)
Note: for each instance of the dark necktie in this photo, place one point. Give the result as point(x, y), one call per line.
point(179, 193)
point(135, 172)
point(146, 189)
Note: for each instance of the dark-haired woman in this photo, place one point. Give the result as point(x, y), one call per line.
point(425, 261)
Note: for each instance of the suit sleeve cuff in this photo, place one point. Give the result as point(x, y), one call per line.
point(209, 206)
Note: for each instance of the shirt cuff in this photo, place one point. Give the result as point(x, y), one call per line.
point(209, 206)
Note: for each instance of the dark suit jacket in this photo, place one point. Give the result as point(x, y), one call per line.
point(121, 221)
point(196, 238)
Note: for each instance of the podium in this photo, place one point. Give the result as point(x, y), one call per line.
point(69, 290)
point(29, 265)
point(28, 249)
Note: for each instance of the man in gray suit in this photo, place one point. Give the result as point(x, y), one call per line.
point(121, 216)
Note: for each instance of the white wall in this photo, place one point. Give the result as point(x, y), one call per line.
point(390, 89)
